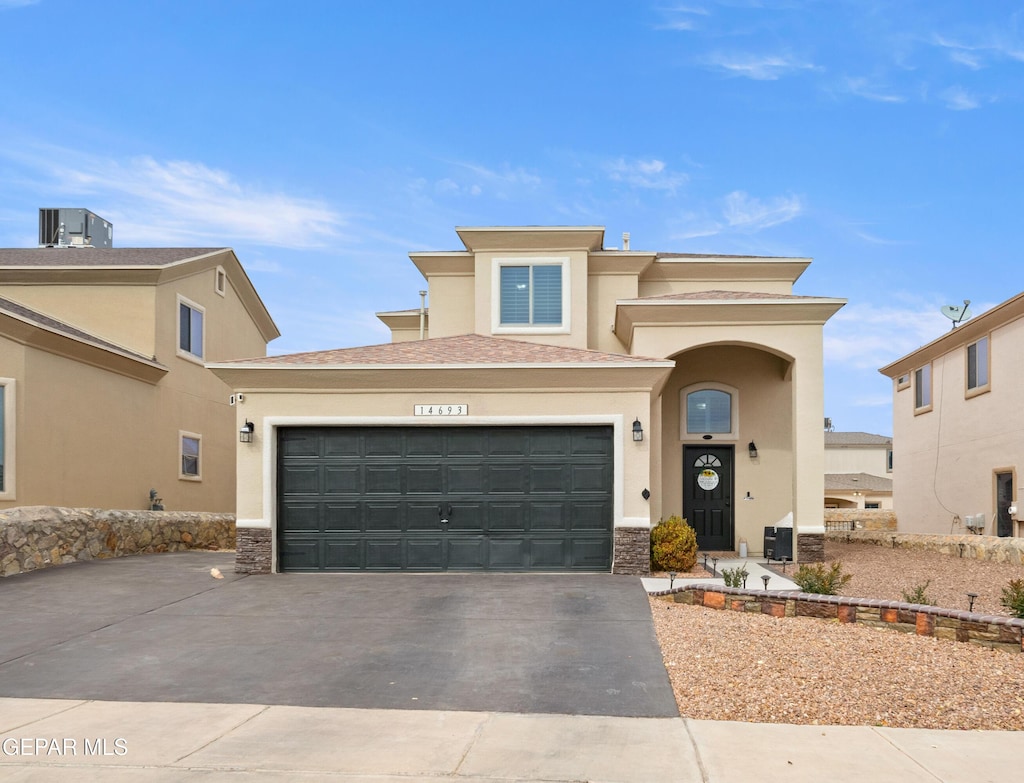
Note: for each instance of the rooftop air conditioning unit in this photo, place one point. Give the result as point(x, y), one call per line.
point(68, 227)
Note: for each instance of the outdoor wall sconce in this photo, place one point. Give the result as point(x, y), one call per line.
point(245, 434)
point(638, 431)
point(752, 448)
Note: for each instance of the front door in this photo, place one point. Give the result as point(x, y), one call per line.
point(707, 495)
point(1004, 499)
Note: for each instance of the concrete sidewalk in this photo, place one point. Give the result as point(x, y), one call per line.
point(54, 740)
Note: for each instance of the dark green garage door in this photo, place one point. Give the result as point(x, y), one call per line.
point(438, 498)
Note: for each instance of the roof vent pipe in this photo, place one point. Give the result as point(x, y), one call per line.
point(625, 240)
point(423, 313)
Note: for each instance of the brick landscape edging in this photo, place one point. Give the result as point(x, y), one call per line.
point(986, 630)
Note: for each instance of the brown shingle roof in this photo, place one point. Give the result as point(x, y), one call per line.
point(52, 324)
point(717, 296)
point(855, 481)
point(463, 349)
point(99, 257)
point(856, 439)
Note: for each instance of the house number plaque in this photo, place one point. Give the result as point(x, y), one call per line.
point(445, 409)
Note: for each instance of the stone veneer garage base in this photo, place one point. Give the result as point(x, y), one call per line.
point(1000, 633)
point(254, 550)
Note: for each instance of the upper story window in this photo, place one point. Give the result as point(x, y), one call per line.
point(190, 329)
point(923, 389)
point(708, 409)
point(531, 295)
point(977, 367)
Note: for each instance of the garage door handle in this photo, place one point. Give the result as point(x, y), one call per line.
point(444, 516)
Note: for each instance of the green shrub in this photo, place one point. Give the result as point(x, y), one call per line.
point(673, 545)
point(734, 577)
point(1013, 597)
point(918, 595)
point(819, 579)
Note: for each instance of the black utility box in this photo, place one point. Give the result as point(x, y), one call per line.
point(778, 543)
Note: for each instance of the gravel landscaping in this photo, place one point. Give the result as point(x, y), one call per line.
point(750, 667)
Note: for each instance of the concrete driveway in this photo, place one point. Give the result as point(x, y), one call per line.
point(160, 628)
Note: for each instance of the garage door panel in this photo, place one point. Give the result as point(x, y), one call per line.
point(300, 479)
point(507, 517)
point(383, 479)
point(517, 498)
point(343, 555)
point(590, 553)
point(508, 479)
point(549, 478)
point(424, 480)
point(425, 554)
point(299, 554)
point(507, 554)
point(301, 518)
point(342, 517)
point(383, 516)
point(467, 553)
point(467, 479)
point(342, 480)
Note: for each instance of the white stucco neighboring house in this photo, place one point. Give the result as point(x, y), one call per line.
point(555, 401)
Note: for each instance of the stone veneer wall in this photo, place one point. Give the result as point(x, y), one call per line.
point(33, 537)
point(632, 551)
point(997, 632)
point(1001, 550)
point(810, 547)
point(859, 519)
point(254, 550)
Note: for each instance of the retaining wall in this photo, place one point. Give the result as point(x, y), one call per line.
point(997, 632)
point(34, 537)
point(1000, 550)
point(859, 519)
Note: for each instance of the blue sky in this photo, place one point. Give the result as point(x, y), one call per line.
point(324, 141)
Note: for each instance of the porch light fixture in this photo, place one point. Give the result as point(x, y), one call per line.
point(638, 431)
point(752, 448)
point(245, 434)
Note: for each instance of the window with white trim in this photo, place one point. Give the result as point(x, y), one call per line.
point(7, 438)
point(190, 452)
point(530, 295)
point(191, 333)
point(923, 388)
point(708, 409)
point(220, 282)
point(977, 366)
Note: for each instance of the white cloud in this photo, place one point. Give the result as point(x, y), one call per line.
point(758, 67)
point(649, 174)
point(752, 214)
point(864, 89)
point(180, 202)
point(506, 175)
point(677, 18)
point(958, 99)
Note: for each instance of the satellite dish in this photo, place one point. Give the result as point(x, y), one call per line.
point(956, 313)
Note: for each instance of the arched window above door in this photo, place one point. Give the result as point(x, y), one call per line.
point(708, 409)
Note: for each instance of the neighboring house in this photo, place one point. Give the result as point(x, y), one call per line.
point(567, 398)
point(104, 395)
point(858, 470)
point(958, 423)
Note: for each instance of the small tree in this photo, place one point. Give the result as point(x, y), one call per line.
point(817, 579)
point(673, 545)
point(1013, 597)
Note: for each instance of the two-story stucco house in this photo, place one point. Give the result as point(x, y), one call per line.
point(858, 468)
point(564, 398)
point(104, 395)
point(958, 427)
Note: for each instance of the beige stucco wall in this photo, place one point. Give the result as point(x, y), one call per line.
point(603, 291)
point(452, 308)
point(90, 437)
point(946, 459)
point(662, 287)
point(843, 499)
point(121, 314)
point(857, 459)
point(256, 505)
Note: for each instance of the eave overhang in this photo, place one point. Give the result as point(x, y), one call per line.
point(531, 238)
point(633, 313)
point(710, 269)
point(455, 263)
point(965, 334)
point(404, 319)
